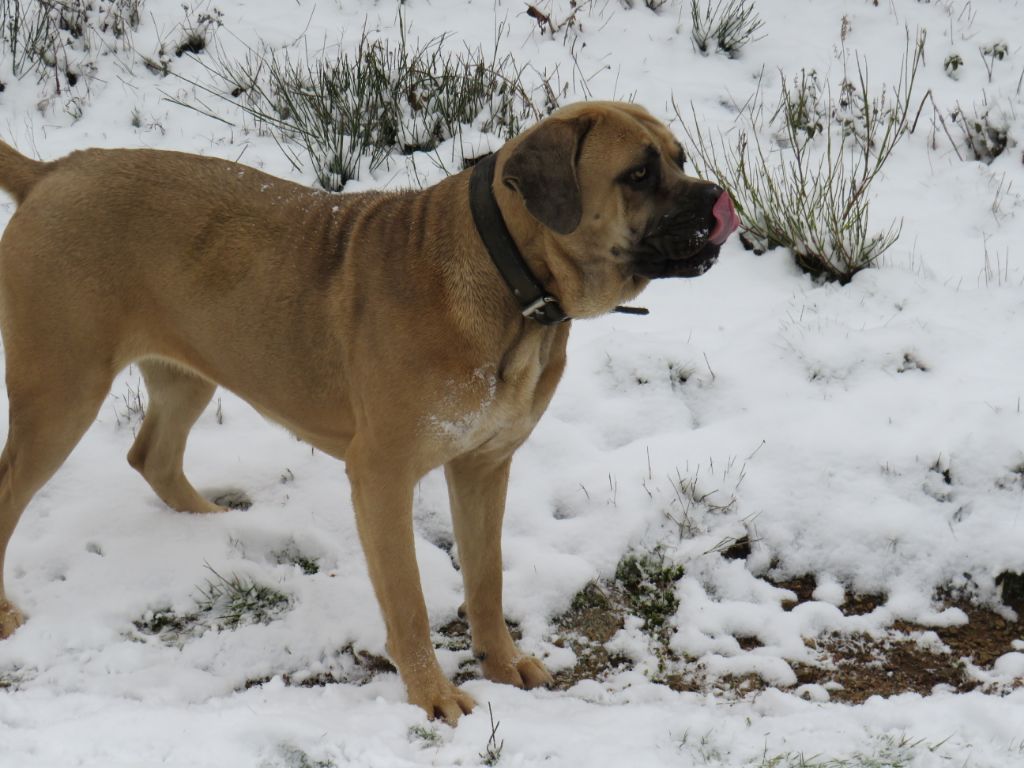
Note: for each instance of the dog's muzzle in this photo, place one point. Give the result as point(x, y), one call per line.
point(686, 242)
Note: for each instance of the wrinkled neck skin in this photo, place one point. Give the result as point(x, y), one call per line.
point(587, 278)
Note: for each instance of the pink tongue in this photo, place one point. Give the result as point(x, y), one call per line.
point(726, 220)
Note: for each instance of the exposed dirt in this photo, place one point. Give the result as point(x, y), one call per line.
point(905, 659)
point(597, 613)
point(851, 667)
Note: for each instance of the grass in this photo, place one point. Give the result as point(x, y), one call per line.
point(985, 131)
point(890, 751)
point(196, 32)
point(992, 53)
point(808, 187)
point(60, 39)
point(695, 501)
point(643, 586)
point(292, 555)
point(130, 405)
point(238, 600)
point(223, 603)
point(648, 582)
point(290, 756)
point(728, 25)
point(424, 736)
point(351, 112)
point(492, 751)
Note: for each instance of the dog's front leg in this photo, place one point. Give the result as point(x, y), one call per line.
point(383, 504)
point(476, 489)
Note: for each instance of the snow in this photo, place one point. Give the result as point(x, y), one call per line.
point(869, 435)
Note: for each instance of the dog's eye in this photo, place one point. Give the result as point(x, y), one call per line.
point(642, 176)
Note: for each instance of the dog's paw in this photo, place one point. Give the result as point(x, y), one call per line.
point(10, 618)
point(443, 699)
point(533, 673)
point(520, 671)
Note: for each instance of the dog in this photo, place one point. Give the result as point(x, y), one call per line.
point(397, 331)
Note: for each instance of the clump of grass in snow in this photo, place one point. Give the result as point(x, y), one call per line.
point(59, 39)
point(649, 581)
point(237, 600)
point(808, 190)
point(891, 751)
point(698, 500)
point(728, 24)
point(196, 32)
point(492, 751)
point(424, 736)
point(224, 602)
point(290, 756)
point(986, 132)
point(992, 53)
point(191, 36)
point(384, 98)
point(130, 405)
point(292, 555)
point(952, 65)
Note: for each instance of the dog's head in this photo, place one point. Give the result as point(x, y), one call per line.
point(607, 183)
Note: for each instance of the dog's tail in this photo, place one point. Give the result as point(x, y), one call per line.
point(18, 174)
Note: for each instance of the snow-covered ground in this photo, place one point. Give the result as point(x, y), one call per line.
point(869, 435)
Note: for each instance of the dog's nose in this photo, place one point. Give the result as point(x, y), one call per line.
point(711, 193)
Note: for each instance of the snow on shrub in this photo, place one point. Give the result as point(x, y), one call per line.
point(807, 187)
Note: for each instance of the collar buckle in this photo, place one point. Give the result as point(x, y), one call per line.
point(545, 310)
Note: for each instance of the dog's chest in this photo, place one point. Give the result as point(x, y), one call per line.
point(481, 409)
point(497, 405)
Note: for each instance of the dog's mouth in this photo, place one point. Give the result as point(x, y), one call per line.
point(685, 243)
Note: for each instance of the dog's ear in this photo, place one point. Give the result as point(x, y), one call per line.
point(542, 169)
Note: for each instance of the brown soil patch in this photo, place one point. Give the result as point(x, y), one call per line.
point(852, 667)
point(866, 667)
point(900, 663)
point(597, 613)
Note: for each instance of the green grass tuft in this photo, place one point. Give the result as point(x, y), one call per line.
point(224, 603)
point(649, 584)
point(234, 601)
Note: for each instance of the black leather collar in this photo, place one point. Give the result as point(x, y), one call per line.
point(534, 302)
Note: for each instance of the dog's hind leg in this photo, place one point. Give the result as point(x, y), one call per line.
point(53, 401)
point(177, 398)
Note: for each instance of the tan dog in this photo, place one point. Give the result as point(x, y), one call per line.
point(374, 326)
